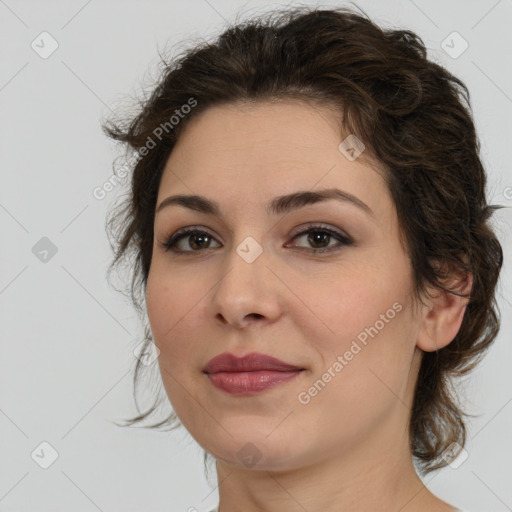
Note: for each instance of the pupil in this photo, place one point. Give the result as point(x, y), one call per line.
point(314, 239)
point(194, 244)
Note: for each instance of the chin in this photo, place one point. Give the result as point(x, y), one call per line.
point(256, 451)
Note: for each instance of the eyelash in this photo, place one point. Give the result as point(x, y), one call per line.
point(170, 243)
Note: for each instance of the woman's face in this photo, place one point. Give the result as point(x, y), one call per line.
point(255, 282)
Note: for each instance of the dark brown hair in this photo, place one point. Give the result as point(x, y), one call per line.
point(414, 118)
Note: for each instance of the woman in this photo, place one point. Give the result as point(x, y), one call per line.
point(311, 240)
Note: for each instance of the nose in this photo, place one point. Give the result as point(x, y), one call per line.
point(247, 292)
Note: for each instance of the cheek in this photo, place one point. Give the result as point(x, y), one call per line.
point(167, 306)
point(364, 364)
point(352, 304)
point(176, 312)
point(363, 316)
point(158, 303)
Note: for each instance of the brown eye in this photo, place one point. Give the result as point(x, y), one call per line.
point(319, 238)
point(192, 240)
point(199, 241)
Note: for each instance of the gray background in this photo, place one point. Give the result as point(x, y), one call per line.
point(67, 338)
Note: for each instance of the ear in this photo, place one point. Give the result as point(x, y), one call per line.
point(442, 318)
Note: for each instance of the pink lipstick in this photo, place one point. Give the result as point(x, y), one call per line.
point(250, 374)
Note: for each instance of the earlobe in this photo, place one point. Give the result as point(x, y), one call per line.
point(442, 318)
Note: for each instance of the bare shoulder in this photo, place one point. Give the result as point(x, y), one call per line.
point(430, 503)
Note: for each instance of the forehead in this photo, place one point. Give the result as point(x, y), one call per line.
point(261, 150)
point(264, 130)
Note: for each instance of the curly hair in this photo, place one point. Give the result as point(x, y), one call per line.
point(415, 119)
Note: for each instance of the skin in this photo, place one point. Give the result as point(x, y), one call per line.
point(348, 448)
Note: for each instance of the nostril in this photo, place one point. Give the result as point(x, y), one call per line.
point(254, 315)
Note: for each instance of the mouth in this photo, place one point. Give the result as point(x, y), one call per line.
point(250, 374)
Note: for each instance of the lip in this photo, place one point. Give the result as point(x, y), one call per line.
point(253, 362)
point(249, 375)
point(250, 383)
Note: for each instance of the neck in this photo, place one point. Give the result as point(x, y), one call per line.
point(380, 476)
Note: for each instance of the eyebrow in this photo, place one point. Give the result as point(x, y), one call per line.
point(279, 205)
